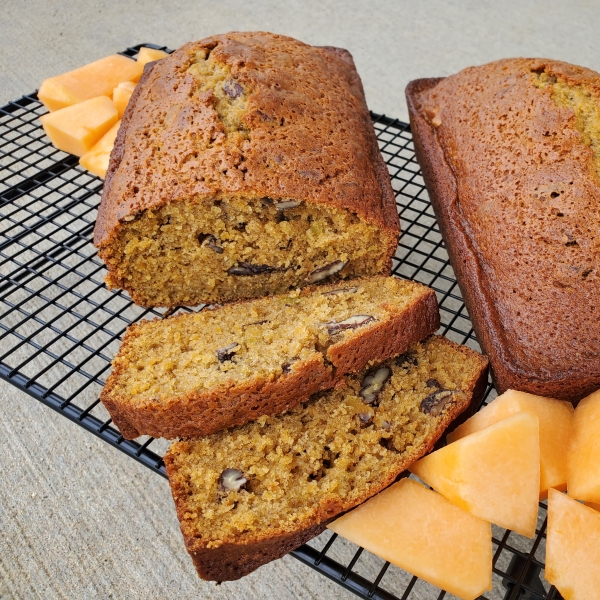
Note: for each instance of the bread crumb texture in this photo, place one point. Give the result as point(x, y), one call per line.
point(250, 341)
point(247, 164)
point(523, 135)
point(324, 456)
point(584, 104)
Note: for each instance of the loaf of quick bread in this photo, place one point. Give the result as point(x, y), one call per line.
point(510, 154)
point(194, 374)
point(246, 164)
point(251, 494)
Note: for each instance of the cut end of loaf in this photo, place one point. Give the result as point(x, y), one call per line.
point(217, 250)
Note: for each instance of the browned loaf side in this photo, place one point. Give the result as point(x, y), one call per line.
point(246, 165)
point(249, 495)
point(510, 154)
point(194, 374)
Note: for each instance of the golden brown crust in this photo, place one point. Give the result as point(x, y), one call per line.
point(292, 119)
point(539, 332)
point(199, 414)
point(235, 558)
point(232, 561)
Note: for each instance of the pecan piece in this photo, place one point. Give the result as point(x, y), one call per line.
point(326, 271)
point(210, 241)
point(226, 353)
point(373, 384)
point(407, 360)
point(246, 269)
point(286, 367)
point(232, 480)
point(365, 419)
point(233, 89)
point(434, 403)
point(287, 204)
point(350, 290)
point(434, 383)
point(350, 323)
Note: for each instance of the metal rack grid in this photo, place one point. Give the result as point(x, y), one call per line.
point(60, 326)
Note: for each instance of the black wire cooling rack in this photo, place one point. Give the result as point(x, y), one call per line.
point(60, 326)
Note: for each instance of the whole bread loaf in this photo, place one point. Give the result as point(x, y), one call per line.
point(194, 374)
point(251, 494)
point(246, 164)
point(510, 154)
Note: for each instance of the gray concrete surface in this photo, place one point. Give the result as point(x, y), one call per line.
point(79, 519)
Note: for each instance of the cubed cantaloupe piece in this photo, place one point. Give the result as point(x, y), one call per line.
point(420, 531)
point(556, 420)
point(128, 85)
point(96, 79)
point(583, 472)
point(97, 159)
point(572, 548)
point(122, 94)
point(147, 55)
point(76, 129)
point(493, 473)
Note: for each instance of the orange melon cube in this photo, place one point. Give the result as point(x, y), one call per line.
point(583, 472)
point(493, 473)
point(420, 531)
point(147, 55)
point(573, 548)
point(122, 94)
point(556, 419)
point(128, 85)
point(76, 129)
point(96, 79)
point(97, 159)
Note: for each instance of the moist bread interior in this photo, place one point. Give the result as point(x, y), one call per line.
point(250, 341)
point(332, 450)
point(238, 247)
point(584, 104)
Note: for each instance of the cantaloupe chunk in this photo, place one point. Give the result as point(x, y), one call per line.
point(147, 55)
point(493, 473)
point(97, 159)
point(593, 505)
point(556, 420)
point(583, 472)
point(128, 85)
point(76, 129)
point(122, 94)
point(573, 548)
point(420, 531)
point(96, 79)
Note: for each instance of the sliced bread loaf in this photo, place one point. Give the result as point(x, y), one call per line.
point(251, 494)
point(246, 164)
point(198, 373)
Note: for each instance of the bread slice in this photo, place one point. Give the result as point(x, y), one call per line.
point(251, 494)
point(195, 374)
point(246, 164)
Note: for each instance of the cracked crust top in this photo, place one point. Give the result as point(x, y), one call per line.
point(303, 130)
